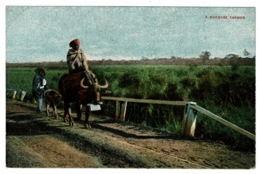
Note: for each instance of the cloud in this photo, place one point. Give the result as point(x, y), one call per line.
point(126, 31)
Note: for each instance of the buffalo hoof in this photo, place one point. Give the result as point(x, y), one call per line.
point(87, 126)
point(71, 123)
point(66, 120)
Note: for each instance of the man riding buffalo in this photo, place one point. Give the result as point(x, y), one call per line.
point(77, 61)
point(80, 85)
point(76, 58)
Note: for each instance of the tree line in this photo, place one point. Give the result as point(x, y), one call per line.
point(229, 60)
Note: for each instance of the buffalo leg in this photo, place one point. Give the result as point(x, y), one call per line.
point(87, 113)
point(47, 109)
point(55, 111)
point(66, 112)
point(78, 111)
point(69, 118)
point(71, 122)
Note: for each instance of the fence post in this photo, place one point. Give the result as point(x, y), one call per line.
point(23, 93)
point(14, 94)
point(189, 120)
point(123, 110)
point(117, 110)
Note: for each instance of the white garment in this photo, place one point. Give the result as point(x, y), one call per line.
point(76, 59)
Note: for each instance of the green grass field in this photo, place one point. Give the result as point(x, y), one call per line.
point(228, 91)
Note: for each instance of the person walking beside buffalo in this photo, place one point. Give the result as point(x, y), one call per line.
point(39, 85)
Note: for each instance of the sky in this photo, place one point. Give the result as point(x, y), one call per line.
point(43, 33)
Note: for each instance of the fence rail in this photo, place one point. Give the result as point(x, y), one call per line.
point(223, 121)
point(162, 102)
point(189, 117)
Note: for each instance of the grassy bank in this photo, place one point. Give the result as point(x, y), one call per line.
point(228, 91)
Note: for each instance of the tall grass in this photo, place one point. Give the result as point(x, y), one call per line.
point(228, 91)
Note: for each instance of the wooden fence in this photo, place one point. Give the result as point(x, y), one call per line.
point(189, 117)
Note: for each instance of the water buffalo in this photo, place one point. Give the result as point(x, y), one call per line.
point(82, 89)
point(52, 98)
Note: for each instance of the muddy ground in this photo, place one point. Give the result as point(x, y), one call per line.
point(37, 141)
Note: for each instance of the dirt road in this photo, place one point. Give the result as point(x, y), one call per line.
point(37, 141)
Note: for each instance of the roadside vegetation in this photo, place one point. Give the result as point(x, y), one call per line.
point(228, 91)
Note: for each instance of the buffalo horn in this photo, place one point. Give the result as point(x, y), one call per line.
point(48, 90)
point(81, 84)
point(103, 86)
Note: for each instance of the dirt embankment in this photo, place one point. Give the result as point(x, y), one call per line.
point(35, 140)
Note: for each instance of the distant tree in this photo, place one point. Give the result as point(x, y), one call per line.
point(246, 53)
point(205, 55)
point(144, 58)
point(231, 56)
